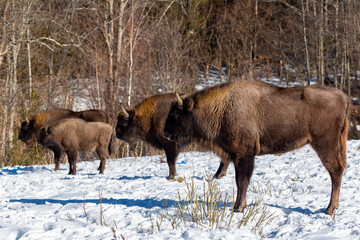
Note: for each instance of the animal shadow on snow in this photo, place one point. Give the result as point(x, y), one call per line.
point(298, 209)
point(133, 178)
point(144, 203)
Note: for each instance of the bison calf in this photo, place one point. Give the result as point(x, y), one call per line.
point(73, 135)
point(239, 120)
point(30, 128)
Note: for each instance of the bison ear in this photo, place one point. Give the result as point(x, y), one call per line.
point(189, 104)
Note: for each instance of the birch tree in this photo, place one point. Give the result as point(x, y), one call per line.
point(17, 16)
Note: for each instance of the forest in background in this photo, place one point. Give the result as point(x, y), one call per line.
point(120, 51)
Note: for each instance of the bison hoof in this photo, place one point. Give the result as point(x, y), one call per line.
point(219, 176)
point(239, 209)
point(330, 211)
point(171, 177)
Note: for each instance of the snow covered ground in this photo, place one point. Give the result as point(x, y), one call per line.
point(38, 203)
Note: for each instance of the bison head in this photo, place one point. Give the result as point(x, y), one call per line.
point(178, 125)
point(27, 133)
point(127, 128)
point(45, 136)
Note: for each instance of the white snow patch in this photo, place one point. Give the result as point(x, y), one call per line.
point(37, 203)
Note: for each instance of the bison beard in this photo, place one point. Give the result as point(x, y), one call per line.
point(242, 119)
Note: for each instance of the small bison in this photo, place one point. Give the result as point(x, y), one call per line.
point(73, 135)
point(30, 128)
point(240, 120)
point(146, 122)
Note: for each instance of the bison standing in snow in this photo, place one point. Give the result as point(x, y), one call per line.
point(240, 120)
point(146, 122)
point(73, 135)
point(30, 128)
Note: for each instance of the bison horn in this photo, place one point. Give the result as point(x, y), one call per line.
point(178, 99)
point(126, 114)
point(27, 120)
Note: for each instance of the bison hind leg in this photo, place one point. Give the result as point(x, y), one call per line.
point(221, 172)
point(72, 156)
point(244, 167)
point(331, 158)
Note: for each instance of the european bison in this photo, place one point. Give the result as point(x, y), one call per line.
point(239, 120)
point(30, 129)
point(73, 135)
point(146, 122)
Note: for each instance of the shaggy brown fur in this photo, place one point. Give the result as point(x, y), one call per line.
point(30, 129)
point(239, 120)
point(73, 135)
point(146, 122)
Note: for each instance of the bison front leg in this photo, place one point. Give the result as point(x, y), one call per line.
point(172, 152)
point(72, 156)
point(221, 172)
point(57, 156)
point(102, 155)
point(243, 171)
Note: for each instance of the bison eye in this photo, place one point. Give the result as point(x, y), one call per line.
point(124, 122)
point(174, 115)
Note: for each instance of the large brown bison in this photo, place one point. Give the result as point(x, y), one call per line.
point(73, 135)
point(239, 120)
point(146, 122)
point(30, 128)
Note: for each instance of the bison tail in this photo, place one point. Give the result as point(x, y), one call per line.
point(344, 137)
point(110, 143)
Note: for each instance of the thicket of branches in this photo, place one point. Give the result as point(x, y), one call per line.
point(119, 51)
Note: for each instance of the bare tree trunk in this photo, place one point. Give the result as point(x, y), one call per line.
point(336, 39)
point(109, 39)
point(305, 43)
point(29, 66)
point(4, 46)
point(346, 47)
point(123, 4)
point(131, 54)
point(98, 100)
point(4, 43)
point(65, 51)
point(321, 44)
point(50, 80)
point(17, 31)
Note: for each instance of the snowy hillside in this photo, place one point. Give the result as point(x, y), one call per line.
point(133, 194)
